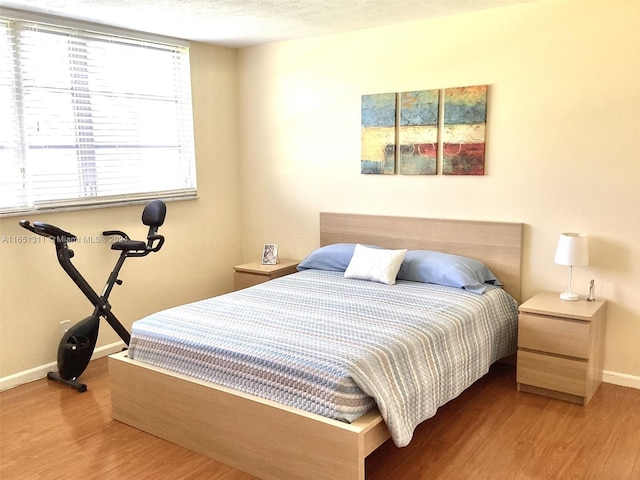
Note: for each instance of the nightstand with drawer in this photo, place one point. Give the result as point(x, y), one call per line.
point(560, 347)
point(249, 274)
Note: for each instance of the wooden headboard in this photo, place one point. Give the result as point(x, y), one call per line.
point(497, 244)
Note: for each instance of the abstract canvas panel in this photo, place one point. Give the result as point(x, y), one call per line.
point(425, 131)
point(463, 135)
point(378, 131)
point(418, 132)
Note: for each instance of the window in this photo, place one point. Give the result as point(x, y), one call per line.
point(88, 117)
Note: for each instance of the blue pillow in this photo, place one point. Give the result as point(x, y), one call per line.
point(334, 257)
point(428, 266)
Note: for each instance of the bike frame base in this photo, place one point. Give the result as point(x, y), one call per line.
point(81, 387)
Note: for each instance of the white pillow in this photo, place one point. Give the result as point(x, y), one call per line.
point(376, 264)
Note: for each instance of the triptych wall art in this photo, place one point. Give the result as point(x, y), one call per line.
point(423, 132)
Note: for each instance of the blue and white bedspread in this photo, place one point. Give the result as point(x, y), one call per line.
point(334, 346)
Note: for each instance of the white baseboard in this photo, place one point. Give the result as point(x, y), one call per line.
point(37, 373)
point(621, 379)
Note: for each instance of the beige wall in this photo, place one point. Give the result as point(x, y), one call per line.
point(562, 154)
point(196, 262)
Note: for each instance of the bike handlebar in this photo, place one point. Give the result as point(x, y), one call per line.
point(153, 238)
point(110, 233)
point(50, 231)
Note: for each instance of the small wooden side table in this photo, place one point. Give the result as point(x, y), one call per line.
point(253, 273)
point(560, 347)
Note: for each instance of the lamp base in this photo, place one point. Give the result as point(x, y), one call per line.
point(569, 296)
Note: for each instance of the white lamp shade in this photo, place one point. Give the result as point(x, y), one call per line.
point(572, 250)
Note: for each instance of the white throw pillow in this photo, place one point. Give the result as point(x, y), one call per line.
point(375, 264)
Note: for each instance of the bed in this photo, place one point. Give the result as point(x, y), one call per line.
point(272, 440)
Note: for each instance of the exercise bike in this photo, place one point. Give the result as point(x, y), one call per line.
point(77, 344)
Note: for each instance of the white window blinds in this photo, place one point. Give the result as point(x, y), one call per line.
point(90, 118)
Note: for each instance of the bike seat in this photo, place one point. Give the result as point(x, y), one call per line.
point(153, 215)
point(129, 245)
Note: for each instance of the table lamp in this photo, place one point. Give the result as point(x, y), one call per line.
point(572, 251)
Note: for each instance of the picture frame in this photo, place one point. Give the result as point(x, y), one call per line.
point(270, 254)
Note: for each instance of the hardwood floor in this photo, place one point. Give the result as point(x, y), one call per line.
point(491, 431)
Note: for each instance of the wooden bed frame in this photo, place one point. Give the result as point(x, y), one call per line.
point(273, 441)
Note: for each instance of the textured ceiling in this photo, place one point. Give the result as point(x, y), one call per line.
point(238, 23)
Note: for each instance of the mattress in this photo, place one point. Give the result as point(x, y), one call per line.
point(337, 347)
